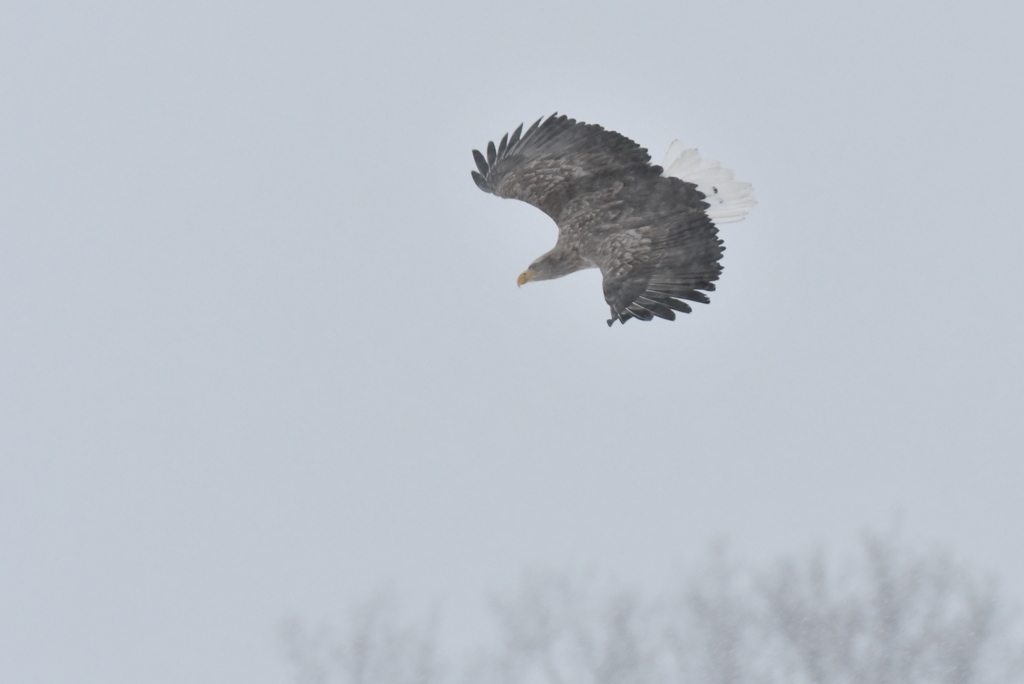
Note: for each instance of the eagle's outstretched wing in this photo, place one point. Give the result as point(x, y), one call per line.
point(647, 272)
point(556, 159)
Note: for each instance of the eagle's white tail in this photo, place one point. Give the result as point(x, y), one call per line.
point(730, 200)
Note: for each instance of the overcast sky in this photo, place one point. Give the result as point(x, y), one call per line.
point(262, 351)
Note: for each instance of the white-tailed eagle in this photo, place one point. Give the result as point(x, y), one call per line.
point(650, 229)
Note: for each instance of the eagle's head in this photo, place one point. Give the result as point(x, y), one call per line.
point(554, 264)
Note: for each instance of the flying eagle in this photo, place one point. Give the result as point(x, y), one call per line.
point(650, 229)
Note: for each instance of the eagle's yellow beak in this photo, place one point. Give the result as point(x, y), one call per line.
point(524, 277)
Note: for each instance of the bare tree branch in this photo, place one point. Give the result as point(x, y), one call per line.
point(891, 615)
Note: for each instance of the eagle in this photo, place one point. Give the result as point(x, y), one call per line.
point(650, 229)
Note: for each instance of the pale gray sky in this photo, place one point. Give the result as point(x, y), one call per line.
point(261, 348)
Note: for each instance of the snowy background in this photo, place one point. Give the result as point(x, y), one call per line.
point(261, 348)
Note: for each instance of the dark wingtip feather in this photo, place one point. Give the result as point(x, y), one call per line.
point(492, 154)
point(532, 128)
point(610, 321)
point(480, 182)
point(481, 163)
point(694, 296)
point(678, 305)
point(515, 136)
point(502, 146)
point(640, 313)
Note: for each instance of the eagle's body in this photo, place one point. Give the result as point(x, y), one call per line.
point(650, 232)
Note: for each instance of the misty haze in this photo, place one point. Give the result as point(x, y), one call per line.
point(273, 408)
